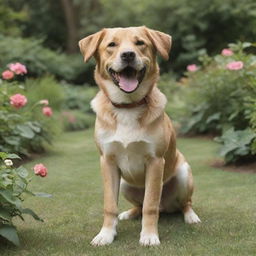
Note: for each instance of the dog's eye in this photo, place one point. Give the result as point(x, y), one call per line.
point(112, 44)
point(140, 42)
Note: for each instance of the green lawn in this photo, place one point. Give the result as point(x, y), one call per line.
point(224, 201)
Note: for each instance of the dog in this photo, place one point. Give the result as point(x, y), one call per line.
point(135, 137)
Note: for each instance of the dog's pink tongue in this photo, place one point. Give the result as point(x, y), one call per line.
point(128, 84)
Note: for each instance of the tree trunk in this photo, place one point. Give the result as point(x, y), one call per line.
point(70, 13)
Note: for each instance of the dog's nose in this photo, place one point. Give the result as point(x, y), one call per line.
point(128, 56)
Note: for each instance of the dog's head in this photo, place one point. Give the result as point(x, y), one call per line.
point(126, 58)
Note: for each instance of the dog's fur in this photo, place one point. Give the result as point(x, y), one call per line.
point(136, 141)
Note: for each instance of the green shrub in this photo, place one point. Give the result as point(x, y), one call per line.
point(25, 128)
point(40, 60)
point(13, 186)
point(77, 120)
point(222, 97)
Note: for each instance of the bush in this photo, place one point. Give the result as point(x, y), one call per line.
point(13, 185)
point(25, 126)
point(77, 113)
point(40, 60)
point(221, 99)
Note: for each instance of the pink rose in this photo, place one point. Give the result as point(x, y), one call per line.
point(18, 68)
point(7, 75)
point(235, 65)
point(44, 102)
point(47, 111)
point(40, 169)
point(192, 68)
point(227, 52)
point(18, 100)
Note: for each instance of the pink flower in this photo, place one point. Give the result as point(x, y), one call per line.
point(192, 68)
point(40, 169)
point(7, 75)
point(18, 100)
point(235, 65)
point(44, 102)
point(47, 111)
point(18, 68)
point(227, 52)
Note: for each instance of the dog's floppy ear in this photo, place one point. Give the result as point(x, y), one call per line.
point(161, 41)
point(89, 44)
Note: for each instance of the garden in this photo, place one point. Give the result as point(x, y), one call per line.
point(51, 194)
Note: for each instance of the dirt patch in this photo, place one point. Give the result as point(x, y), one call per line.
point(247, 168)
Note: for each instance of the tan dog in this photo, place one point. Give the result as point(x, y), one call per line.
point(135, 137)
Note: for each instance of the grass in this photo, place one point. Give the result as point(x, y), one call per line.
point(224, 201)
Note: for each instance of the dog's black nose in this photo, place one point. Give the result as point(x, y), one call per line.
point(128, 56)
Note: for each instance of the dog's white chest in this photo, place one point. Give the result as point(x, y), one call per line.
point(130, 145)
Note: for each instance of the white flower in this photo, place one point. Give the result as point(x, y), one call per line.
point(8, 162)
point(44, 102)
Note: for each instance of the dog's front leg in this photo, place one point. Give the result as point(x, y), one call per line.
point(111, 180)
point(153, 191)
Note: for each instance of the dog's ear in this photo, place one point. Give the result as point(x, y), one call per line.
point(89, 45)
point(161, 41)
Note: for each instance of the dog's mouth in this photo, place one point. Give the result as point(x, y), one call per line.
point(128, 79)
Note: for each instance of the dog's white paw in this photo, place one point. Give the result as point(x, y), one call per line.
point(124, 215)
point(105, 236)
point(149, 239)
point(191, 217)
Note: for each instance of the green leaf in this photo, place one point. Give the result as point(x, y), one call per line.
point(3, 155)
point(22, 172)
point(10, 233)
point(25, 131)
point(214, 117)
point(13, 156)
point(5, 215)
point(32, 213)
point(8, 196)
point(35, 126)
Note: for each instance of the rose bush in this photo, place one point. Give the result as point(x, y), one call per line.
point(14, 183)
point(24, 125)
point(221, 99)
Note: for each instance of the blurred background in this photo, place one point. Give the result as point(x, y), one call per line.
point(44, 33)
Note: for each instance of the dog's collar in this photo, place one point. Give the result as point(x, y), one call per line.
point(130, 105)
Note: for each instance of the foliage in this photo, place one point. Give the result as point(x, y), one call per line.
point(13, 185)
point(23, 129)
point(221, 96)
point(77, 113)
point(40, 60)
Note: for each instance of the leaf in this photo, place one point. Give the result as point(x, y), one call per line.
point(22, 172)
point(35, 126)
point(41, 194)
point(25, 131)
point(3, 155)
point(214, 117)
point(8, 196)
point(10, 233)
point(5, 215)
point(13, 156)
point(32, 213)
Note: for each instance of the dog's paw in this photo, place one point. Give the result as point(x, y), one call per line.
point(124, 215)
point(149, 239)
point(105, 237)
point(191, 217)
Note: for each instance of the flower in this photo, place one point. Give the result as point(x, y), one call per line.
point(44, 102)
point(192, 68)
point(40, 169)
point(227, 52)
point(47, 111)
point(18, 68)
point(18, 100)
point(8, 162)
point(7, 75)
point(235, 65)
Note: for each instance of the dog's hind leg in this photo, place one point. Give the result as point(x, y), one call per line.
point(135, 196)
